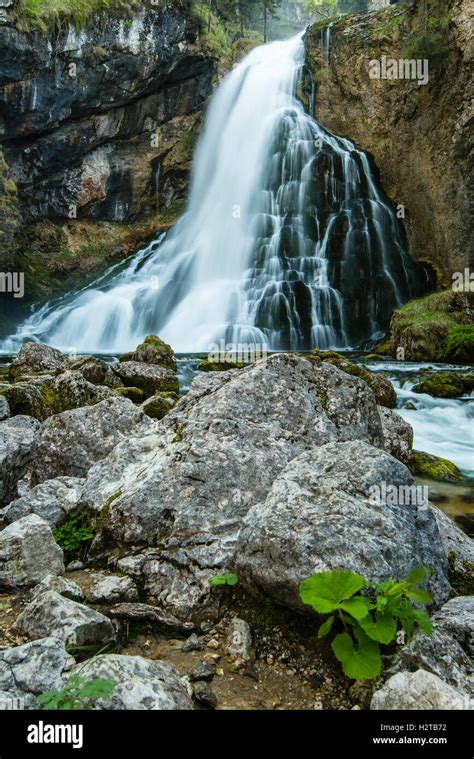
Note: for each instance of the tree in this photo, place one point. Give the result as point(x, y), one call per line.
point(323, 8)
point(270, 7)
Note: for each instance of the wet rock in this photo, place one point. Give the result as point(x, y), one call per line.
point(204, 694)
point(111, 589)
point(35, 358)
point(50, 500)
point(28, 552)
point(434, 467)
point(187, 486)
point(32, 669)
point(203, 671)
point(147, 377)
point(321, 514)
point(154, 351)
point(71, 442)
point(61, 585)
point(17, 438)
point(239, 640)
point(441, 385)
point(192, 644)
point(51, 614)
point(139, 683)
point(417, 690)
point(397, 435)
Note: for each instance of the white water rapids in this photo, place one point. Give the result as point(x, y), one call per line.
point(287, 242)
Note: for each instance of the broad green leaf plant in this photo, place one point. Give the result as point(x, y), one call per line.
point(366, 621)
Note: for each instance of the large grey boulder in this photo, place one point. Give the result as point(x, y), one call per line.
point(51, 500)
point(28, 552)
point(32, 669)
point(17, 437)
point(418, 690)
point(139, 683)
point(147, 377)
point(321, 514)
point(397, 434)
point(71, 442)
point(36, 358)
point(51, 614)
point(183, 491)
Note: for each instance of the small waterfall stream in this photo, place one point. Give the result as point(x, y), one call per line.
point(288, 240)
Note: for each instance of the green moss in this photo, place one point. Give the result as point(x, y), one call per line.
point(219, 366)
point(160, 404)
point(178, 438)
point(372, 357)
point(134, 394)
point(434, 467)
point(461, 580)
point(460, 343)
point(422, 326)
point(441, 385)
point(382, 349)
point(44, 15)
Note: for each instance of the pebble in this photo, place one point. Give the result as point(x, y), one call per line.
point(202, 671)
point(204, 695)
point(191, 644)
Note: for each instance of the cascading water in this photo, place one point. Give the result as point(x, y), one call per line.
point(288, 241)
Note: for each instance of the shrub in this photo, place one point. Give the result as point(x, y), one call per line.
point(78, 693)
point(367, 624)
point(76, 534)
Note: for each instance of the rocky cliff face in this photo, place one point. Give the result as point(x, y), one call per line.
point(97, 128)
point(417, 134)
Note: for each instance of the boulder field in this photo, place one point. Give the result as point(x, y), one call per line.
point(266, 472)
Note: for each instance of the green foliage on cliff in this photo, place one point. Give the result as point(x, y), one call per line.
point(429, 36)
point(43, 15)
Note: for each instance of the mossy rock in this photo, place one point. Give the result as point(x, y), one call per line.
point(134, 394)
point(382, 349)
point(159, 404)
point(381, 387)
point(441, 385)
point(372, 357)
point(434, 467)
point(461, 580)
point(422, 327)
point(219, 366)
point(153, 350)
point(468, 382)
point(328, 355)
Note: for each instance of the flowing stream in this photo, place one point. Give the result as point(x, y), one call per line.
point(288, 240)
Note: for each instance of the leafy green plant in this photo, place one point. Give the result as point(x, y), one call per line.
point(227, 579)
point(368, 621)
point(76, 534)
point(78, 693)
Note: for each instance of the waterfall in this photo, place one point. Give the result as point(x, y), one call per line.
point(288, 240)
